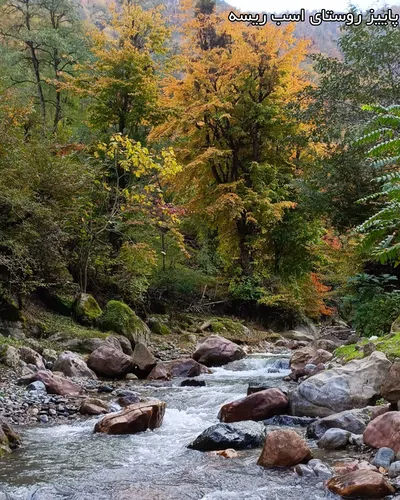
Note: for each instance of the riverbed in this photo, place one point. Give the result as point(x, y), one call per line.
point(70, 462)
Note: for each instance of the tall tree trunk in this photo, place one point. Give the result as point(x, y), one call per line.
point(36, 71)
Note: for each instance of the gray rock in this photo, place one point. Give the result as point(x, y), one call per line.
point(320, 469)
point(72, 365)
point(310, 367)
point(44, 419)
point(354, 421)
point(355, 385)
point(37, 386)
point(383, 458)
point(394, 469)
point(357, 440)
point(239, 436)
point(304, 470)
point(334, 439)
point(11, 358)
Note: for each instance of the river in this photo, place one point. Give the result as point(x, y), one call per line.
point(70, 462)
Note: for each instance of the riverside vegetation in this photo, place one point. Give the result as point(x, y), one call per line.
point(178, 195)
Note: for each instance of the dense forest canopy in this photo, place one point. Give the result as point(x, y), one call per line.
point(166, 157)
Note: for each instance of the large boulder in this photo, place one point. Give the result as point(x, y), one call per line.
point(384, 431)
point(361, 484)
point(284, 448)
point(143, 360)
point(134, 418)
point(354, 421)
point(86, 309)
point(108, 361)
point(31, 357)
point(120, 318)
point(186, 367)
point(57, 385)
point(239, 436)
point(217, 351)
point(258, 406)
point(390, 389)
point(72, 365)
point(355, 385)
point(9, 439)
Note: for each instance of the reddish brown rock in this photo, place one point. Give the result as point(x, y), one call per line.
point(186, 367)
point(258, 406)
point(321, 356)
point(143, 360)
point(72, 365)
point(31, 357)
point(93, 406)
point(134, 418)
point(301, 357)
point(390, 389)
point(384, 431)
point(217, 351)
point(57, 385)
point(109, 361)
point(284, 448)
point(361, 483)
point(159, 372)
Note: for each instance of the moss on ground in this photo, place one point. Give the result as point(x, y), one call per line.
point(389, 345)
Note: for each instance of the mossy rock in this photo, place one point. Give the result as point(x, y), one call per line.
point(120, 318)
point(87, 310)
point(158, 327)
point(230, 329)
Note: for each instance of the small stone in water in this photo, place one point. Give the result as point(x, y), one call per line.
point(105, 388)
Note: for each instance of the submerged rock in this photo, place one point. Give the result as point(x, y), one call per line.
point(133, 419)
point(284, 448)
point(361, 483)
point(258, 406)
point(239, 436)
point(217, 351)
point(193, 383)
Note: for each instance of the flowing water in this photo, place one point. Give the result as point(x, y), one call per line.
point(70, 462)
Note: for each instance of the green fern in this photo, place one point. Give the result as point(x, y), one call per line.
point(381, 232)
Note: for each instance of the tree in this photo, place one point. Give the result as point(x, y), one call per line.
point(236, 143)
point(121, 81)
point(43, 40)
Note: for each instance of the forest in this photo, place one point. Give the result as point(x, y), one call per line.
point(175, 161)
